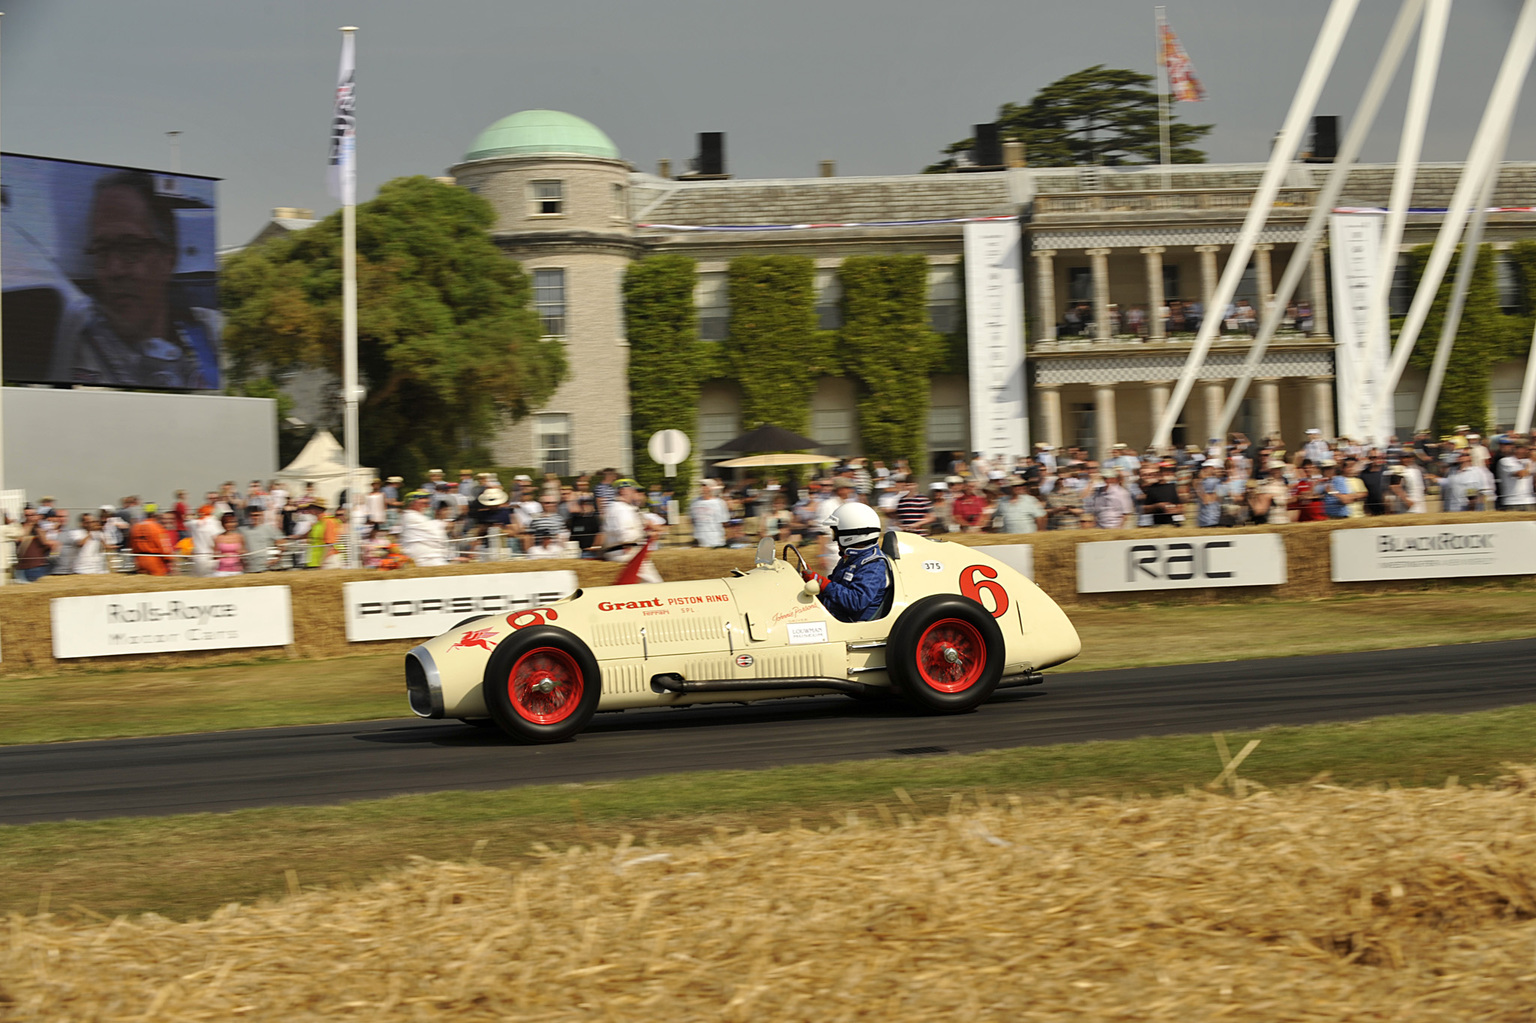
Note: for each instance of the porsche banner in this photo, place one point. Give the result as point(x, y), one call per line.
point(417, 608)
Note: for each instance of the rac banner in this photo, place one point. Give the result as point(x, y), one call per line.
point(171, 620)
point(1191, 562)
point(413, 608)
point(1433, 552)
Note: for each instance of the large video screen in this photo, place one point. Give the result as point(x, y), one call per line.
point(109, 274)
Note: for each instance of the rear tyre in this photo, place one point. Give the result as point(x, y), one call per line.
point(542, 685)
point(945, 654)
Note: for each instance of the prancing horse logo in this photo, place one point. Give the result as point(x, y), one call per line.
point(475, 637)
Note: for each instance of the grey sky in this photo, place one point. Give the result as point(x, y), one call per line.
point(878, 85)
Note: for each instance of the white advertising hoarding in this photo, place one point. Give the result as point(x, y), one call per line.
point(413, 608)
point(1018, 556)
point(1360, 358)
point(1183, 563)
point(1433, 552)
point(175, 620)
point(994, 310)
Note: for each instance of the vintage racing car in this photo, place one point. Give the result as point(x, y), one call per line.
point(957, 626)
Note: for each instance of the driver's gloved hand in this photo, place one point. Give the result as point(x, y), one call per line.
point(808, 575)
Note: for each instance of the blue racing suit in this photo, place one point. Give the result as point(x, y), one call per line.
point(858, 587)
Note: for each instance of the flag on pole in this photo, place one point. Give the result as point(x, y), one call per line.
point(343, 157)
point(1182, 83)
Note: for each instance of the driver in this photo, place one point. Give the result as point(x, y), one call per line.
point(862, 579)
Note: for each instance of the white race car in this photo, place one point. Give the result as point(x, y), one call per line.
point(958, 625)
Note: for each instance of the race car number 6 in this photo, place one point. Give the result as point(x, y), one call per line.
point(533, 616)
point(971, 586)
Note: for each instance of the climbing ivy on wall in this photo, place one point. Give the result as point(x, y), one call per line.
point(885, 343)
point(774, 351)
point(1486, 335)
point(667, 361)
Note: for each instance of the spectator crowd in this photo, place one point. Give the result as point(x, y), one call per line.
point(1228, 482)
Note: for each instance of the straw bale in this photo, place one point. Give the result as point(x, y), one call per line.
point(1320, 903)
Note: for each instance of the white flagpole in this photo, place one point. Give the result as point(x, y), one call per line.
point(1527, 407)
point(1329, 38)
point(1486, 146)
point(349, 334)
point(1470, 247)
point(1164, 148)
point(5, 558)
point(1300, 262)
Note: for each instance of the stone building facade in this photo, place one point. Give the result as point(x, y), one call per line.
point(1103, 245)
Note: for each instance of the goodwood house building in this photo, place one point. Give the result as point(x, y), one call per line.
point(1103, 252)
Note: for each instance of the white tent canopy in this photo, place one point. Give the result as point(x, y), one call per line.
point(323, 463)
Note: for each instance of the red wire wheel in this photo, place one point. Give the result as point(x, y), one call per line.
point(545, 686)
point(542, 684)
point(945, 654)
point(951, 655)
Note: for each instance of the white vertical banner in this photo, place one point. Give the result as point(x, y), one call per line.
point(994, 299)
point(1360, 357)
point(343, 154)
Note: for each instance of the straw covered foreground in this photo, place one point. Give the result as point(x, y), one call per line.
point(1318, 903)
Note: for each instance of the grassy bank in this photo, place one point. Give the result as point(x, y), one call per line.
point(369, 685)
point(188, 866)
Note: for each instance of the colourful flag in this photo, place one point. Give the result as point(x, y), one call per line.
point(1182, 83)
point(343, 158)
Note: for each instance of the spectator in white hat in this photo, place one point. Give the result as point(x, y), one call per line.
point(1316, 448)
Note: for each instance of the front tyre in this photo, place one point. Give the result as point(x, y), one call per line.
point(542, 685)
point(945, 654)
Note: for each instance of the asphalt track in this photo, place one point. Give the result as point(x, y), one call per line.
point(323, 764)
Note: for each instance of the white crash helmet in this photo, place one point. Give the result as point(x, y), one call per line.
point(854, 524)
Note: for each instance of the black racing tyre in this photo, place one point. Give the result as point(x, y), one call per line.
point(542, 685)
point(945, 654)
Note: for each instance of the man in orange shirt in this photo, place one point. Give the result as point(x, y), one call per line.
point(149, 538)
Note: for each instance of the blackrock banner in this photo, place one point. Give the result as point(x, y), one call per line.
point(171, 621)
point(994, 304)
point(413, 608)
point(1434, 552)
point(1187, 563)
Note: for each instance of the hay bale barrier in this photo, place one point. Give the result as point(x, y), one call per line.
point(319, 632)
point(1315, 903)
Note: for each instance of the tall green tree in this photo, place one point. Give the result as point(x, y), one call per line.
point(448, 347)
point(775, 351)
point(1102, 116)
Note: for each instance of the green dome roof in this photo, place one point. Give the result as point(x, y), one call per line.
point(536, 132)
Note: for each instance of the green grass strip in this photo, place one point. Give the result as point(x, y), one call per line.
point(186, 866)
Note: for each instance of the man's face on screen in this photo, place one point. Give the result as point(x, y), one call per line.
point(133, 265)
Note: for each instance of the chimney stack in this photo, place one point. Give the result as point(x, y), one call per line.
point(829, 168)
point(664, 168)
point(1013, 154)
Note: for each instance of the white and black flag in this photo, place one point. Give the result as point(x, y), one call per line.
point(343, 156)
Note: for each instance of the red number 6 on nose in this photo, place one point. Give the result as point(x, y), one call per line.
point(975, 579)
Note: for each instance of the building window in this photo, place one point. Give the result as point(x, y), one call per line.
point(715, 429)
point(1079, 284)
point(834, 428)
point(552, 441)
point(946, 427)
point(944, 298)
point(1401, 296)
point(620, 203)
point(549, 301)
point(1171, 281)
point(548, 198)
point(712, 298)
point(1085, 428)
point(829, 299)
point(1506, 277)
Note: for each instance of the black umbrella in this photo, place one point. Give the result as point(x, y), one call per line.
point(764, 439)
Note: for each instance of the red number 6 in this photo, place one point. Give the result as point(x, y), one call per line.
point(972, 587)
point(533, 616)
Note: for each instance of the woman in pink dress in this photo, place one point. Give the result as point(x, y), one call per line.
point(229, 547)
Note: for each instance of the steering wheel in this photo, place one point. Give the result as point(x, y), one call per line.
point(798, 557)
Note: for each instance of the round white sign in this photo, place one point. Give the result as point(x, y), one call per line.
point(669, 447)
